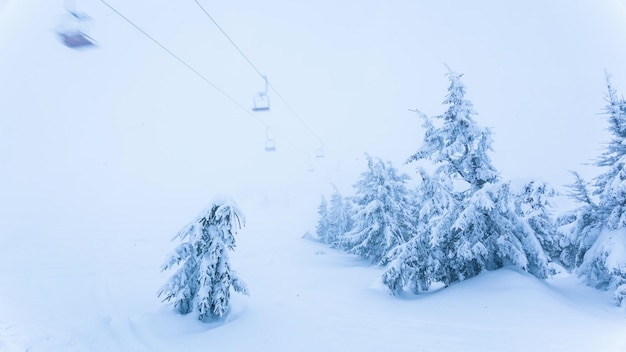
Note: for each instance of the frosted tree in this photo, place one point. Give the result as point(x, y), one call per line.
point(323, 226)
point(382, 215)
point(532, 202)
point(419, 262)
point(598, 232)
point(334, 218)
point(478, 223)
point(339, 217)
point(455, 143)
point(204, 278)
point(610, 187)
point(580, 227)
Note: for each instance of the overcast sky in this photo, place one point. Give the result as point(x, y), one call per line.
point(127, 115)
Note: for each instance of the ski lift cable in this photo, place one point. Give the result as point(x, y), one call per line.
point(201, 76)
point(228, 37)
point(254, 67)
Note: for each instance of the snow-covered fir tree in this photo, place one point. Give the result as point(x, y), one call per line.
point(418, 262)
point(322, 227)
point(533, 204)
point(204, 278)
point(339, 217)
point(455, 143)
point(597, 231)
point(334, 219)
point(478, 223)
point(382, 213)
point(580, 227)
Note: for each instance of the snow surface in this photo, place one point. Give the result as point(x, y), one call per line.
point(106, 153)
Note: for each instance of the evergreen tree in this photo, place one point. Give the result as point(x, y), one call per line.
point(203, 281)
point(597, 233)
point(479, 224)
point(323, 226)
point(610, 187)
point(455, 143)
point(382, 215)
point(579, 228)
point(339, 217)
point(533, 204)
point(420, 261)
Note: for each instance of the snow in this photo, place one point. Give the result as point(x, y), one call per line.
point(106, 153)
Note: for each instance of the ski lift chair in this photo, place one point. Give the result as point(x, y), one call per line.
point(76, 40)
point(73, 31)
point(262, 100)
point(270, 144)
point(319, 153)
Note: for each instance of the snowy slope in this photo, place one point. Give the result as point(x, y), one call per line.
point(106, 153)
point(304, 297)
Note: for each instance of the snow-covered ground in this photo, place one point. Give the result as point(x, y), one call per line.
point(106, 153)
point(304, 297)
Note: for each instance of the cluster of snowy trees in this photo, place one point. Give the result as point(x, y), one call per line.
point(204, 277)
point(462, 218)
point(459, 219)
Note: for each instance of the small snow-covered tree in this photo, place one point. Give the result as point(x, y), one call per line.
point(203, 281)
point(382, 214)
point(532, 200)
point(480, 224)
point(334, 218)
point(419, 262)
point(580, 227)
point(339, 217)
point(323, 226)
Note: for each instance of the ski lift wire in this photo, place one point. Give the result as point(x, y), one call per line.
point(293, 111)
point(228, 37)
point(196, 72)
point(201, 76)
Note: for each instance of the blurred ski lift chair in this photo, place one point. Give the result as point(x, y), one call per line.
point(319, 153)
point(73, 30)
point(262, 100)
point(270, 144)
point(310, 166)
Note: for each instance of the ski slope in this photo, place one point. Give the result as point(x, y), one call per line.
point(106, 153)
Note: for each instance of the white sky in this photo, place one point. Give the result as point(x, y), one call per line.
point(127, 116)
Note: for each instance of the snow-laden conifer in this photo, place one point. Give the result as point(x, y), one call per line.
point(578, 228)
point(339, 217)
point(455, 143)
point(382, 213)
point(204, 277)
point(597, 231)
point(322, 227)
point(478, 223)
point(334, 219)
point(419, 262)
point(532, 200)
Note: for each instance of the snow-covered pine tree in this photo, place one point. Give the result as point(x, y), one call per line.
point(599, 232)
point(334, 219)
point(533, 204)
point(480, 227)
point(339, 217)
point(382, 214)
point(419, 262)
point(203, 281)
point(455, 143)
point(322, 228)
point(579, 228)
